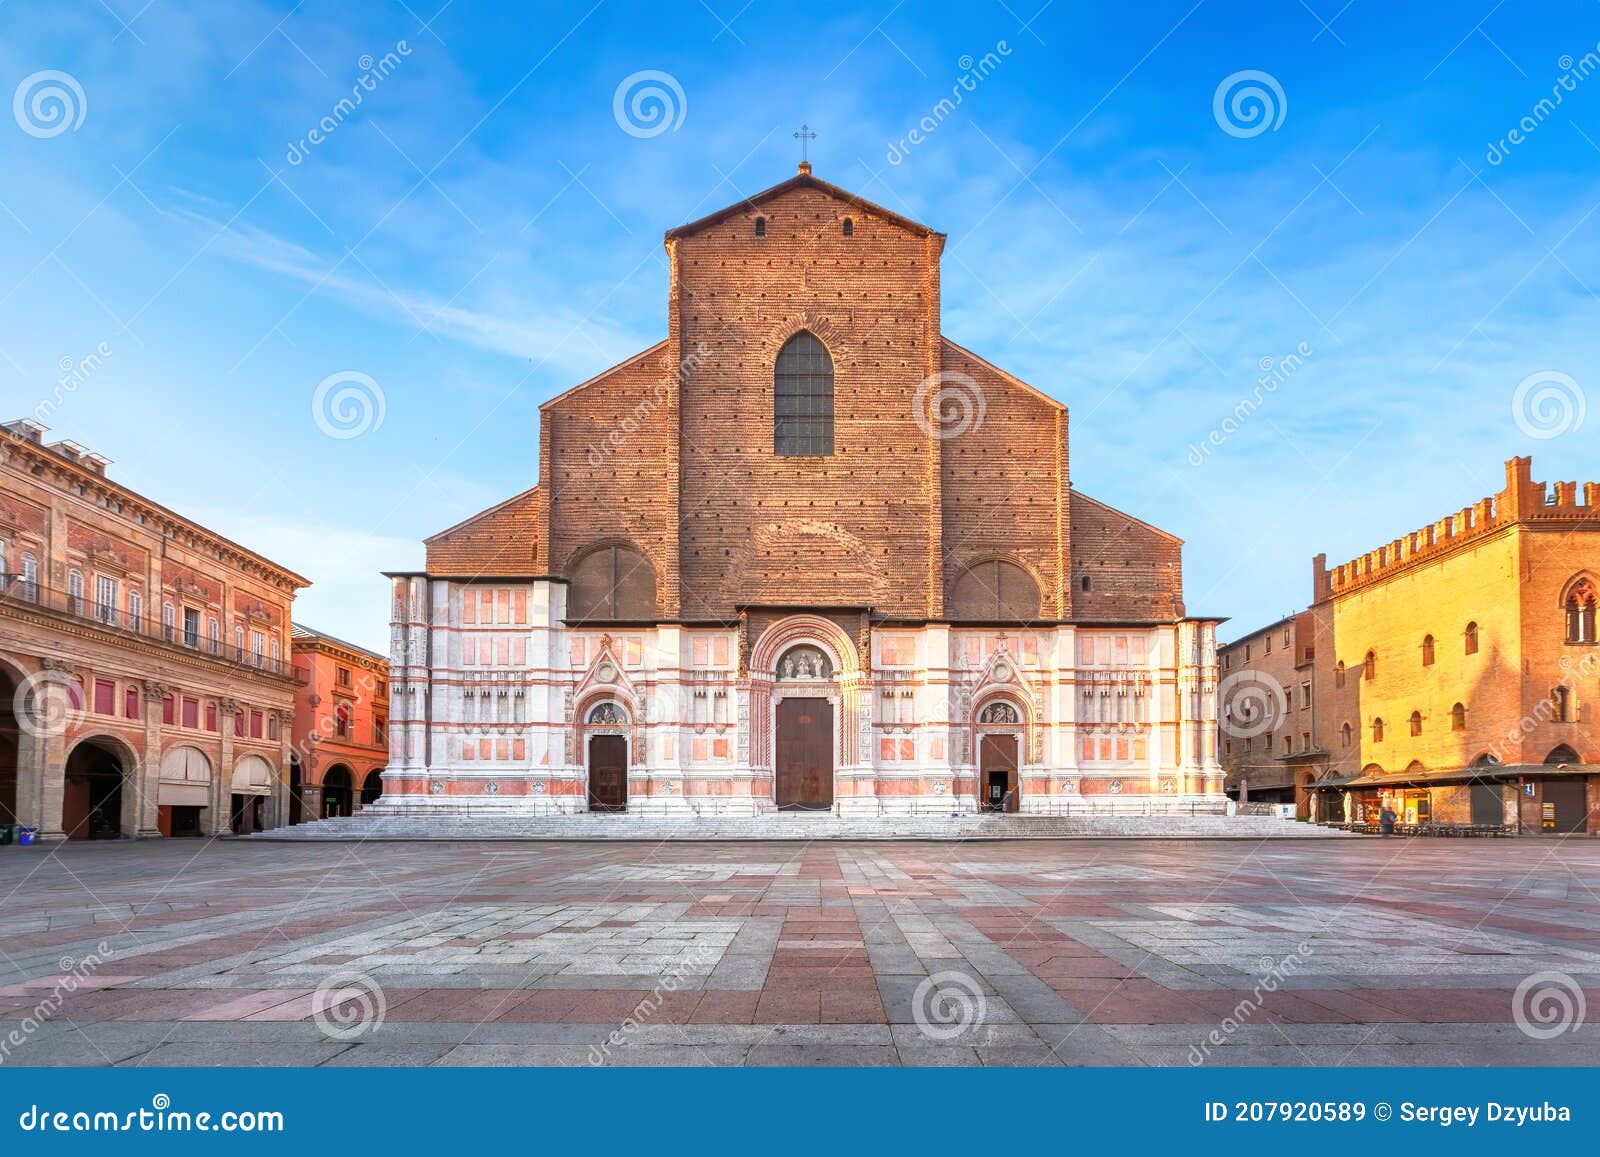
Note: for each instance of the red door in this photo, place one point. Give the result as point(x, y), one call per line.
point(997, 773)
point(805, 754)
point(608, 773)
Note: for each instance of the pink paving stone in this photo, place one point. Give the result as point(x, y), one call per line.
point(241, 1006)
point(726, 1008)
point(852, 1008)
point(602, 1007)
point(789, 1006)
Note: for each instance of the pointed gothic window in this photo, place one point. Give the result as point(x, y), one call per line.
point(802, 399)
point(1581, 612)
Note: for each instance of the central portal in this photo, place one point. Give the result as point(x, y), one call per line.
point(805, 754)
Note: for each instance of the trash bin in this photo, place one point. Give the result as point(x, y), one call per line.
point(8, 834)
point(25, 835)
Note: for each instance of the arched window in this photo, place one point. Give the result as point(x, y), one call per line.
point(802, 398)
point(1345, 735)
point(135, 611)
point(1427, 650)
point(1458, 717)
point(1369, 666)
point(75, 591)
point(614, 582)
point(761, 226)
point(169, 621)
point(1470, 639)
point(1377, 731)
point(1416, 723)
point(1560, 755)
point(995, 591)
point(849, 227)
point(1580, 612)
point(1338, 674)
point(1086, 584)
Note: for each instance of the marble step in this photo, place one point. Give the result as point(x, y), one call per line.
point(369, 826)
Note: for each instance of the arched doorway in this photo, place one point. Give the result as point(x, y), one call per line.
point(999, 726)
point(336, 792)
point(803, 763)
point(607, 750)
point(10, 746)
point(372, 787)
point(91, 792)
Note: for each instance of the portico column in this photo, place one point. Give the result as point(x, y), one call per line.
point(149, 821)
point(221, 822)
point(277, 810)
point(51, 745)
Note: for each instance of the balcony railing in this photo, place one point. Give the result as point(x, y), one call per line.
point(16, 589)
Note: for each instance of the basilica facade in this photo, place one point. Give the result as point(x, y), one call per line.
point(806, 552)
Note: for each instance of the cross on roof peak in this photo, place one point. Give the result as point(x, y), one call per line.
point(805, 136)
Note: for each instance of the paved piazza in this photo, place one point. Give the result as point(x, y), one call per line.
point(1111, 952)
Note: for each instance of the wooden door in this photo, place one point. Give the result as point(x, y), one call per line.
point(997, 772)
point(805, 754)
point(608, 773)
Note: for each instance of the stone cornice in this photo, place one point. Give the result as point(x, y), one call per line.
point(47, 467)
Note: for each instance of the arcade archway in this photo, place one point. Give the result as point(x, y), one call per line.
point(337, 792)
point(92, 790)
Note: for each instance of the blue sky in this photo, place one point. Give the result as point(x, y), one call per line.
point(482, 233)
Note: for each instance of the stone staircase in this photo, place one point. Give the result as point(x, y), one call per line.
point(375, 825)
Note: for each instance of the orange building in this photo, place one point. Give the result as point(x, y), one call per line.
point(341, 726)
point(1455, 671)
point(145, 687)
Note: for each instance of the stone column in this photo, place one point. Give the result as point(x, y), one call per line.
point(155, 694)
point(277, 808)
point(221, 818)
point(51, 744)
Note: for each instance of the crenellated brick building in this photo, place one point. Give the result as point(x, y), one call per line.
point(807, 552)
point(144, 679)
point(1456, 669)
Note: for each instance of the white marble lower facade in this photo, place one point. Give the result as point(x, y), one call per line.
point(499, 706)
